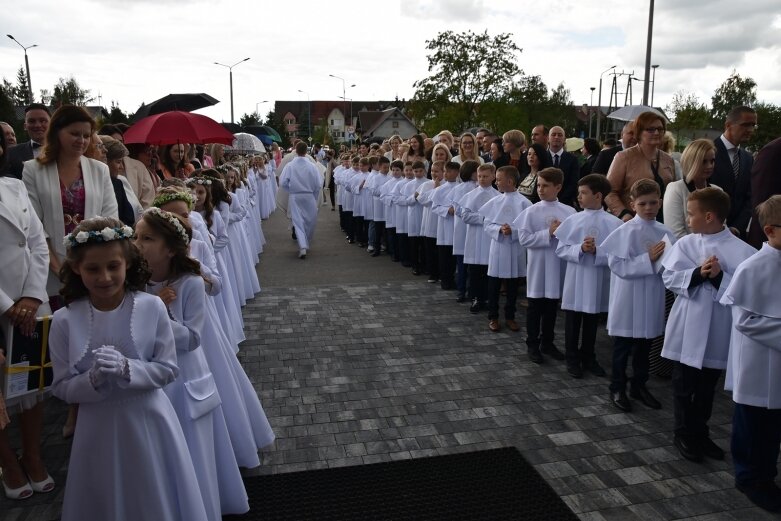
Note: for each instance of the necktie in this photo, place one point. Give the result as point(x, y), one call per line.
point(556, 160)
point(736, 162)
point(35, 145)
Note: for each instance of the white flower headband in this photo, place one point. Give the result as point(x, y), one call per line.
point(168, 216)
point(198, 181)
point(105, 235)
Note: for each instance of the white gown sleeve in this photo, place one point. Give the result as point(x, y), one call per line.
point(69, 387)
point(758, 328)
point(633, 267)
point(162, 368)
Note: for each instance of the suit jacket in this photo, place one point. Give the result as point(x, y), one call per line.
point(765, 182)
point(739, 190)
point(568, 164)
point(23, 252)
point(43, 186)
point(588, 166)
point(16, 157)
point(605, 159)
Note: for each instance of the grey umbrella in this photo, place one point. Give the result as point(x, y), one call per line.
point(630, 112)
point(184, 102)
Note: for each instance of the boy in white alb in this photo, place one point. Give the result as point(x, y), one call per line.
point(375, 186)
point(386, 196)
point(357, 184)
point(587, 279)
point(477, 244)
point(536, 228)
point(754, 364)
point(506, 256)
point(636, 314)
point(468, 176)
point(414, 216)
point(400, 215)
point(348, 198)
point(368, 213)
point(442, 208)
point(428, 221)
point(698, 270)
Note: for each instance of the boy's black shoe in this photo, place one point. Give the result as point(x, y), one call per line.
point(620, 400)
point(690, 451)
point(416, 272)
point(461, 298)
point(535, 355)
point(596, 369)
point(575, 371)
point(711, 450)
point(376, 253)
point(644, 396)
point(476, 307)
point(553, 352)
point(766, 495)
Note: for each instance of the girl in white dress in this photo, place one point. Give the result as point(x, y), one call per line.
point(247, 423)
point(163, 239)
point(112, 351)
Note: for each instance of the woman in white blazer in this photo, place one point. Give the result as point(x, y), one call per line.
point(697, 164)
point(66, 187)
point(25, 260)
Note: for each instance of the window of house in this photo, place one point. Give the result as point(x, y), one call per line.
point(395, 124)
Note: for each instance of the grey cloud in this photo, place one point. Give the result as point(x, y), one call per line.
point(453, 10)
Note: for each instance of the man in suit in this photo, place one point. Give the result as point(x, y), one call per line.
point(732, 171)
point(765, 182)
point(590, 151)
point(568, 164)
point(10, 134)
point(36, 122)
point(605, 157)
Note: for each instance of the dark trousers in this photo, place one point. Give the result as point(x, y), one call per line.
point(447, 267)
point(580, 352)
point(390, 239)
point(693, 391)
point(349, 225)
point(432, 257)
point(361, 231)
point(402, 240)
point(478, 282)
point(415, 244)
point(756, 435)
point(540, 321)
point(341, 218)
point(461, 275)
point(379, 231)
point(494, 289)
point(332, 193)
point(622, 348)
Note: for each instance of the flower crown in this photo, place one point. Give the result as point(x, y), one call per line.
point(162, 199)
point(198, 181)
point(168, 216)
point(105, 235)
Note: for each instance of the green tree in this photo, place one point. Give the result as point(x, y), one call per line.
point(247, 120)
point(687, 112)
point(735, 91)
point(21, 95)
point(7, 110)
point(769, 120)
point(116, 115)
point(69, 92)
point(467, 72)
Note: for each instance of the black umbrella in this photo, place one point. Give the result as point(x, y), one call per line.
point(184, 102)
point(232, 127)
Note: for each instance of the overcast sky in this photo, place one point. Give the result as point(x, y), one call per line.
point(134, 51)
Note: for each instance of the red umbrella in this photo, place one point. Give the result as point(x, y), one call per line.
point(176, 126)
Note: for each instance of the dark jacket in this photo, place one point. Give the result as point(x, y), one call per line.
point(739, 190)
point(16, 157)
point(765, 182)
point(605, 159)
point(568, 164)
point(125, 209)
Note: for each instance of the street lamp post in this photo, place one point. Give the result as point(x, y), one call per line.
point(344, 98)
point(653, 84)
point(256, 107)
point(27, 66)
point(230, 74)
point(599, 100)
point(591, 112)
point(309, 113)
point(648, 51)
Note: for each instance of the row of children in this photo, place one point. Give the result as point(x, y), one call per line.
point(147, 347)
point(725, 315)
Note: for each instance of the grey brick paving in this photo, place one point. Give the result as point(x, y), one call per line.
point(356, 362)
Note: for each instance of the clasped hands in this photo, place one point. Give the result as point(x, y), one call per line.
point(589, 245)
point(109, 363)
point(710, 268)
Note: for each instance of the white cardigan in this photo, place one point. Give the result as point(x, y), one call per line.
point(23, 252)
point(43, 186)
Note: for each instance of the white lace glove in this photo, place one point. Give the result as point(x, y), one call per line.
point(96, 377)
point(112, 363)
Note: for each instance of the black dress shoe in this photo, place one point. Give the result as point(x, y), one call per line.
point(645, 396)
point(475, 307)
point(461, 298)
point(553, 352)
point(535, 355)
point(575, 371)
point(690, 451)
point(350, 241)
point(766, 495)
point(375, 253)
point(596, 369)
point(620, 400)
point(711, 450)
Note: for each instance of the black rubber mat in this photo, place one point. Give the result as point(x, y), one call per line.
point(493, 484)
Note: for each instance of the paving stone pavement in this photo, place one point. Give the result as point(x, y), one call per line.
point(356, 361)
